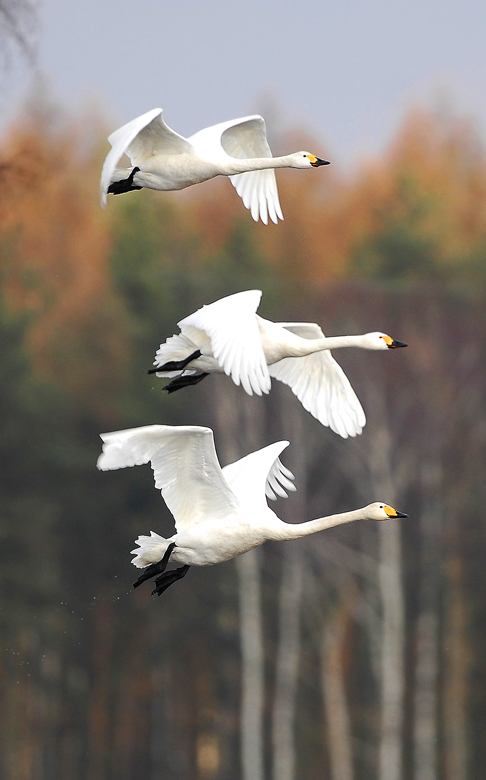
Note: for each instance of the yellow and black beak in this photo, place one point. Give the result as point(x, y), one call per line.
point(393, 512)
point(317, 162)
point(392, 343)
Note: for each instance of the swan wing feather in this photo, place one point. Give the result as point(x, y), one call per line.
point(260, 474)
point(185, 465)
point(321, 385)
point(258, 189)
point(306, 330)
point(141, 138)
point(279, 480)
point(232, 328)
point(242, 138)
point(245, 138)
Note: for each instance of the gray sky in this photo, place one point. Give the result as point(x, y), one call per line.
point(344, 70)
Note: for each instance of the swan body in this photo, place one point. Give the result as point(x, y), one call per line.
point(164, 160)
point(228, 336)
point(219, 513)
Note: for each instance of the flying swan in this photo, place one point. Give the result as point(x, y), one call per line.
point(165, 160)
point(219, 513)
point(229, 336)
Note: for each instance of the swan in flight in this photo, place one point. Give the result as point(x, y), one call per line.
point(164, 160)
point(229, 336)
point(219, 513)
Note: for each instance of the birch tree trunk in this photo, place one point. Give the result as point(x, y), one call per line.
point(283, 720)
point(392, 600)
point(240, 425)
point(334, 695)
point(427, 650)
point(252, 688)
point(392, 662)
point(456, 676)
point(425, 699)
point(290, 600)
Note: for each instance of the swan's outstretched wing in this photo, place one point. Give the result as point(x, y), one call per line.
point(245, 138)
point(185, 466)
point(321, 385)
point(139, 139)
point(279, 480)
point(231, 325)
point(258, 474)
point(258, 191)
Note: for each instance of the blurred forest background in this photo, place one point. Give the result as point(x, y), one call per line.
point(359, 653)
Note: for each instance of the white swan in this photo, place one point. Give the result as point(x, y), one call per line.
point(165, 160)
point(219, 513)
point(228, 336)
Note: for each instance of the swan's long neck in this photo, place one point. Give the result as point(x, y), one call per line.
point(259, 163)
point(287, 531)
point(309, 346)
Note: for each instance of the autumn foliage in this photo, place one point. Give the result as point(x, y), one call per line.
point(99, 683)
point(425, 197)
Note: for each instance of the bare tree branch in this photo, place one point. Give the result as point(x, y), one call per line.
point(18, 28)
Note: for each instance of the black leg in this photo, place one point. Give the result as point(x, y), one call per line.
point(125, 185)
point(155, 568)
point(184, 381)
point(175, 365)
point(166, 580)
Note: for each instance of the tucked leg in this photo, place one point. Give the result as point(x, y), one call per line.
point(125, 185)
point(175, 365)
point(166, 580)
point(184, 381)
point(155, 568)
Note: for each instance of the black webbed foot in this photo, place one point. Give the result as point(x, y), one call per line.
point(184, 381)
point(175, 365)
point(166, 580)
point(125, 185)
point(155, 568)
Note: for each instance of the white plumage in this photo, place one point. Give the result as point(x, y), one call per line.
point(165, 160)
point(228, 336)
point(219, 513)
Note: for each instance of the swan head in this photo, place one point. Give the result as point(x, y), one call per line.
point(381, 511)
point(306, 160)
point(378, 340)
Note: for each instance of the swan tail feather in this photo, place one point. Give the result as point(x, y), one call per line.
point(150, 549)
